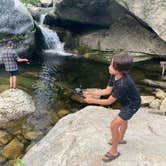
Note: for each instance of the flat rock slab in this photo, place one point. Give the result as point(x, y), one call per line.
point(80, 139)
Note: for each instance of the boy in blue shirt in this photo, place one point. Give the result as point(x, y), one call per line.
point(10, 59)
point(121, 88)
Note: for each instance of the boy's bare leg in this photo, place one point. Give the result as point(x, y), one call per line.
point(14, 79)
point(122, 130)
point(115, 124)
point(11, 82)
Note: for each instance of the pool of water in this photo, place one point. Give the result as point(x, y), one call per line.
point(47, 80)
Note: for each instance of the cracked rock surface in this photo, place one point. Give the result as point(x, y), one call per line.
point(80, 139)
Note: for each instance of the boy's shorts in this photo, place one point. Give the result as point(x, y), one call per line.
point(126, 112)
point(13, 73)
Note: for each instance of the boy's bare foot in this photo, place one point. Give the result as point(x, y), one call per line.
point(120, 142)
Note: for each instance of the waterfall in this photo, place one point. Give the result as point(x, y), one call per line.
point(44, 88)
point(42, 18)
point(52, 41)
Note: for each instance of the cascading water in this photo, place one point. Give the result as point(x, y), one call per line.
point(51, 39)
point(44, 88)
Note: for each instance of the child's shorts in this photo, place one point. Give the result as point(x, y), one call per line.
point(13, 73)
point(126, 112)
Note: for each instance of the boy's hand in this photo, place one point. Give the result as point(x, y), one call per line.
point(89, 100)
point(88, 93)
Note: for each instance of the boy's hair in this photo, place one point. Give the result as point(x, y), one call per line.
point(122, 63)
point(10, 44)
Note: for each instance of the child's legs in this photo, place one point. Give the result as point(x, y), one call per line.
point(122, 130)
point(115, 125)
point(11, 81)
point(14, 80)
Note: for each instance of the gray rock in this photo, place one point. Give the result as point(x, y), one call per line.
point(160, 94)
point(15, 104)
point(155, 104)
point(146, 100)
point(46, 3)
point(163, 106)
point(80, 139)
point(151, 12)
point(126, 35)
point(90, 12)
point(16, 24)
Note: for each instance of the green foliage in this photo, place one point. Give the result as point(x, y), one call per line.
point(18, 162)
point(33, 2)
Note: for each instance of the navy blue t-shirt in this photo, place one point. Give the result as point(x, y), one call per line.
point(124, 91)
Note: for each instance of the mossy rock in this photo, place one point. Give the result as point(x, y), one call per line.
point(2, 159)
point(29, 147)
point(62, 113)
point(13, 150)
point(32, 135)
point(54, 117)
point(5, 137)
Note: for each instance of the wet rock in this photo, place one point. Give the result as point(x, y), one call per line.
point(13, 150)
point(77, 98)
point(4, 137)
point(2, 159)
point(31, 135)
point(29, 147)
point(54, 117)
point(62, 113)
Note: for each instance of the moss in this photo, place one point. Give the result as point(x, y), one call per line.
point(33, 2)
point(18, 162)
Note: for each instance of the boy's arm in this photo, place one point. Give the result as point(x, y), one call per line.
point(22, 60)
point(107, 101)
point(100, 92)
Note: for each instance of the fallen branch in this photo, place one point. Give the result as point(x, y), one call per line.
point(154, 83)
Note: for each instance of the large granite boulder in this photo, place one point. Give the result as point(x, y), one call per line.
point(80, 139)
point(127, 35)
point(89, 11)
point(16, 24)
point(125, 31)
point(151, 12)
point(15, 104)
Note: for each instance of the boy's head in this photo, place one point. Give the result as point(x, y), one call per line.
point(121, 63)
point(10, 44)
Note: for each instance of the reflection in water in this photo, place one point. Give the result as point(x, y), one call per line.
point(44, 90)
point(44, 93)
